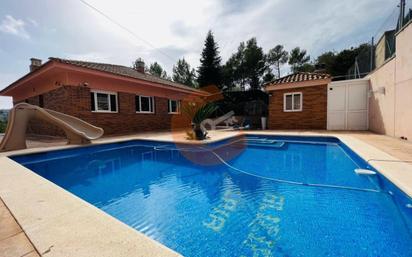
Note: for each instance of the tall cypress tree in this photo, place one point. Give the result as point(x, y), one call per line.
point(210, 70)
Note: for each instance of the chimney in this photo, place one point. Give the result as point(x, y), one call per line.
point(34, 64)
point(139, 65)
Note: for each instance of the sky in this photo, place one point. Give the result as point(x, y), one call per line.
point(165, 31)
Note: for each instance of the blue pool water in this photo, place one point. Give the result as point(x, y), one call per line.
point(249, 196)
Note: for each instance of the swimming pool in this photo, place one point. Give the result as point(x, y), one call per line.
point(247, 196)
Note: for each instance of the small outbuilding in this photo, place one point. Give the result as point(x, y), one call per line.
point(298, 101)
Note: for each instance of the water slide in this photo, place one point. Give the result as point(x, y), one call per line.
point(77, 131)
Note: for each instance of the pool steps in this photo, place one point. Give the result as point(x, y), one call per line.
point(264, 142)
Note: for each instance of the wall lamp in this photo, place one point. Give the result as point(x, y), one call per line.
point(380, 90)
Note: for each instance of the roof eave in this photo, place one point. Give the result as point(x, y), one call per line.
point(52, 63)
point(298, 84)
point(128, 78)
point(31, 75)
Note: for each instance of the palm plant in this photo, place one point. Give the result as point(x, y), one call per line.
point(198, 113)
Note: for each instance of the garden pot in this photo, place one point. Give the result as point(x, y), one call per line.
point(200, 135)
point(263, 120)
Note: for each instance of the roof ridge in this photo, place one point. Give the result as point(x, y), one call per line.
point(74, 60)
point(148, 76)
point(312, 72)
point(299, 77)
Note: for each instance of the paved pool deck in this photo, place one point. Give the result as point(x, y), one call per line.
point(397, 148)
point(13, 240)
point(38, 218)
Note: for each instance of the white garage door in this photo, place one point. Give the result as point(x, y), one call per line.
point(348, 105)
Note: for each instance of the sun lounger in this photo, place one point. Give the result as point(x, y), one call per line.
point(214, 122)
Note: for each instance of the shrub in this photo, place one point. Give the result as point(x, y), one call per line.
point(3, 125)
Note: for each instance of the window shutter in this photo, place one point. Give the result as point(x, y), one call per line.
point(92, 107)
point(137, 103)
point(113, 103)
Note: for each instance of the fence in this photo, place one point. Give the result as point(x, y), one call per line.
point(382, 45)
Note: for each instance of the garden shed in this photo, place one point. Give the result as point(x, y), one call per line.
point(298, 101)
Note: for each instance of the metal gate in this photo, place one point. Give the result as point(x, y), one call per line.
point(348, 105)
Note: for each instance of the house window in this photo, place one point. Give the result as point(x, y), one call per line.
point(174, 106)
point(292, 102)
point(103, 101)
point(144, 104)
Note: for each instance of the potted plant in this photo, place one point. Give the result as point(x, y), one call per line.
point(198, 113)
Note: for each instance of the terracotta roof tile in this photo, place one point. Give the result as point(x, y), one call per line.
point(123, 71)
point(299, 77)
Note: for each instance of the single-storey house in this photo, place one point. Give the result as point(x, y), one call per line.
point(117, 98)
point(298, 101)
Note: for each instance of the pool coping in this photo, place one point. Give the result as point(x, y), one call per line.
point(59, 223)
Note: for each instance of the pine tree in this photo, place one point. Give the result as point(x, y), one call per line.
point(298, 60)
point(254, 63)
point(247, 67)
point(277, 56)
point(182, 73)
point(210, 70)
point(157, 70)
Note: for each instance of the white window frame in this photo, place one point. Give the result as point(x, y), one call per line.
point(293, 102)
point(152, 106)
point(177, 106)
point(108, 93)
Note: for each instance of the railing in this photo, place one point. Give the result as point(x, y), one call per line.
point(382, 46)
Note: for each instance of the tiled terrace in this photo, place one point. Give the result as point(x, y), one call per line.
point(13, 240)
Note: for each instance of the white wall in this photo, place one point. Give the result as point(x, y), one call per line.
point(391, 113)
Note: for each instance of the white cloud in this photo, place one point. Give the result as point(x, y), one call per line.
point(14, 26)
point(178, 28)
point(33, 22)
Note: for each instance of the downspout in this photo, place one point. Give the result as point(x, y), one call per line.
point(394, 100)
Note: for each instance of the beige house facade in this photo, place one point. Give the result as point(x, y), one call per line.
point(390, 103)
